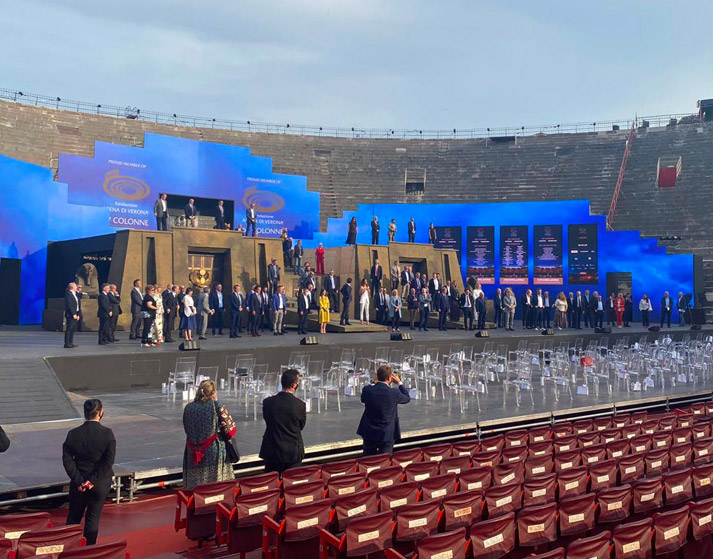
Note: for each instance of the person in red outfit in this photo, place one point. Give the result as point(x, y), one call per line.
point(619, 306)
point(319, 253)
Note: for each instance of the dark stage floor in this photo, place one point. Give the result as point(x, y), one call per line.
point(148, 424)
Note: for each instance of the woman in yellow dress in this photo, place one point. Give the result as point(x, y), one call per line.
point(323, 311)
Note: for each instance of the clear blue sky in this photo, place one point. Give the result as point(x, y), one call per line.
point(371, 63)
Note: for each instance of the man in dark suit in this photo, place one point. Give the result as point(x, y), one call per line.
point(253, 305)
point(237, 302)
point(375, 227)
point(115, 300)
point(526, 303)
point(265, 309)
point(548, 309)
point(416, 282)
point(467, 304)
point(104, 314)
point(587, 308)
point(381, 306)
point(330, 284)
point(297, 254)
point(406, 277)
point(273, 275)
point(346, 292)
point(88, 457)
point(412, 231)
point(377, 273)
point(598, 305)
point(137, 300)
point(170, 307)
point(425, 301)
point(287, 252)
point(666, 308)
point(217, 305)
point(303, 306)
point(220, 215)
point(285, 416)
point(578, 310)
point(498, 306)
point(480, 308)
point(570, 309)
point(189, 211)
point(251, 220)
point(71, 314)
point(441, 305)
point(379, 425)
point(434, 285)
point(80, 296)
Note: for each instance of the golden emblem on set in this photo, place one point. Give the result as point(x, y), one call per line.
point(200, 277)
point(125, 187)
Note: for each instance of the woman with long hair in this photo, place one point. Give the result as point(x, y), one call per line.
point(208, 427)
point(561, 311)
point(645, 308)
point(364, 302)
point(352, 231)
point(323, 311)
point(619, 308)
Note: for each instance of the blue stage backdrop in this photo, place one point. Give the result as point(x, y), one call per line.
point(574, 254)
point(116, 189)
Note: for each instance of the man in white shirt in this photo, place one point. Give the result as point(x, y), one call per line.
point(71, 314)
point(251, 220)
point(539, 309)
point(160, 211)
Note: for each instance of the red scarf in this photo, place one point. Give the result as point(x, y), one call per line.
point(198, 450)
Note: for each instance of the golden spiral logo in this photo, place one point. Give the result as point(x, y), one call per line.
point(124, 187)
point(264, 200)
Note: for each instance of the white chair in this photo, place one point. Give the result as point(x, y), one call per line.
point(183, 373)
point(329, 383)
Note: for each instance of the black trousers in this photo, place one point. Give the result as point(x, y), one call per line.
point(104, 329)
point(248, 225)
point(112, 326)
point(168, 322)
point(91, 502)
point(234, 323)
point(218, 321)
point(598, 319)
point(374, 238)
point(423, 315)
point(645, 319)
point(538, 317)
point(345, 312)
point(481, 320)
point(578, 318)
point(162, 223)
point(468, 318)
point(666, 316)
point(372, 448)
point(396, 321)
point(302, 323)
point(69, 331)
point(280, 466)
point(498, 318)
point(442, 316)
point(412, 237)
point(148, 322)
point(546, 318)
point(587, 318)
point(254, 323)
point(135, 331)
point(333, 301)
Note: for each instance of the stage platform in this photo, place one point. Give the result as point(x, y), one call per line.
point(148, 426)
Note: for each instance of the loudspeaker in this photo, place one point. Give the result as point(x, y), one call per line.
point(193, 345)
point(696, 327)
point(396, 336)
point(309, 340)
point(482, 334)
point(605, 330)
point(548, 332)
point(654, 328)
point(696, 316)
point(10, 286)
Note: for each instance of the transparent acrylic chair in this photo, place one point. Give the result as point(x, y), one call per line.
point(183, 373)
point(266, 386)
point(329, 383)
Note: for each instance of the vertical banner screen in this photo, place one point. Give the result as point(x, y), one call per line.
point(481, 254)
point(513, 254)
point(548, 255)
point(582, 244)
point(449, 238)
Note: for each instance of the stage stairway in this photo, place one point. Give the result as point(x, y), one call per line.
point(31, 392)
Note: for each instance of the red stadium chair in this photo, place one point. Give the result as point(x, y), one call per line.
point(590, 438)
point(662, 439)
point(351, 507)
point(6, 548)
point(576, 514)
point(369, 464)
point(454, 465)
point(539, 434)
point(495, 443)
point(703, 451)
point(451, 545)
point(602, 475)
point(509, 473)
point(476, 478)
point(502, 499)
point(392, 498)
point(698, 410)
point(493, 538)
point(656, 462)
point(405, 457)
point(12, 526)
point(514, 454)
point(537, 526)
point(557, 553)
point(336, 469)
point(466, 448)
point(572, 482)
point(684, 419)
point(701, 515)
point(638, 417)
point(539, 490)
point(701, 430)
point(436, 453)
point(303, 493)
point(667, 422)
point(614, 503)
point(562, 429)
point(420, 471)
point(567, 460)
point(516, 439)
point(345, 485)
point(594, 547)
point(544, 448)
point(647, 494)
point(601, 423)
point(677, 486)
point(702, 477)
point(682, 435)
point(538, 466)
point(297, 535)
point(200, 506)
point(616, 450)
point(649, 426)
point(256, 484)
point(709, 409)
point(641, 444)
point(486, 459)
point(583, 426)
point(631, 431)
point(385, 477)
point(594, 454)
point(462, 509)
point(415, 522)
point(610, 435)
point(112, 550)
point(566, 443)
point(670, 530)
point(49, 543)
point(633, 540)
point(631, 468)
point(303, 474)
point(364, 536)
point(438, 487)
point(241, 527)
point(681, 456)
point(621, 420)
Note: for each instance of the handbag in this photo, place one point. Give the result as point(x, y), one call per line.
point(226, 425)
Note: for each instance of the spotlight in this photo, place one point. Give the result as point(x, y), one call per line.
point(20, 93)
point(174, 115)
point(248, 123)
point(288, 125)
point(352, 129)
point(99, 106)
point(320, 128)
point(58, 99)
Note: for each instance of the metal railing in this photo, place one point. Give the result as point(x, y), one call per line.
point(134, 113)
point(620, 179)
